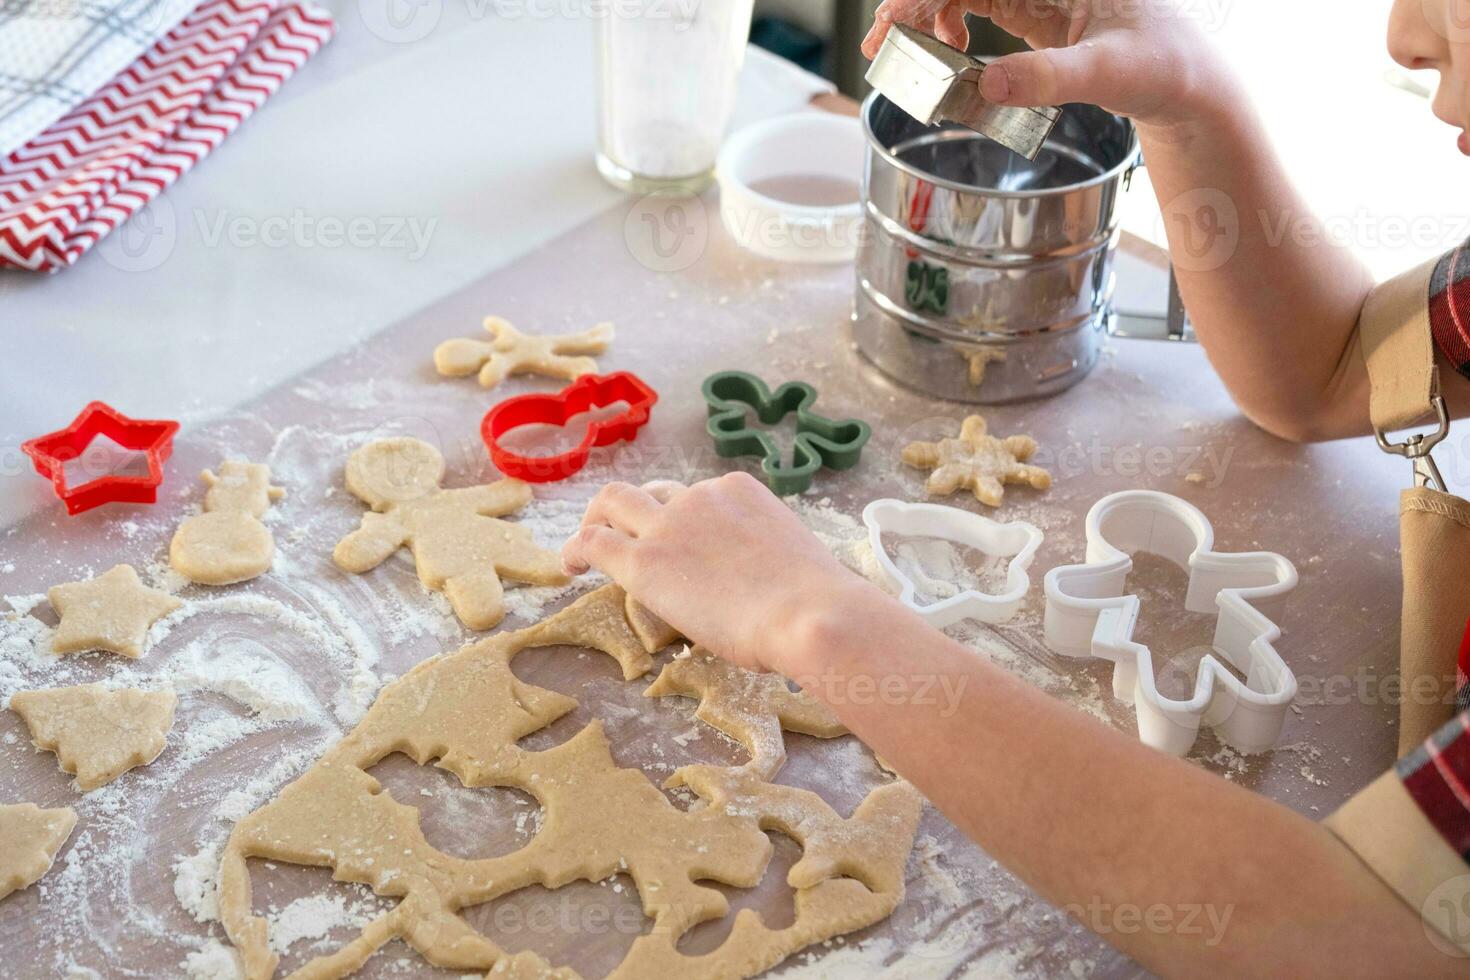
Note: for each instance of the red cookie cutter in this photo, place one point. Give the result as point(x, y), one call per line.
point(587, 392)
point(154, 438)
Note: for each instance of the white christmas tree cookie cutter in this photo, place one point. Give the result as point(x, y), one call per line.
point(1088, 613)
point(1016, 540)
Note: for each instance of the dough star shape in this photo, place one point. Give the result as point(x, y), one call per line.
point(459, 545)
point(465, 712)
point(228, 543)
point(511, 352)
point(977, 461)
point(111, 612)
point(96, 733)
point(29, 840)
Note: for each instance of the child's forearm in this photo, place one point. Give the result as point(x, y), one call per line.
point(1273, 298)
point(1102, 826)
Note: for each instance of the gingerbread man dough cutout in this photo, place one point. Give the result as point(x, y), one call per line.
point(460, 546)
point(511, 352)
point(228, 543)
point(977, 461)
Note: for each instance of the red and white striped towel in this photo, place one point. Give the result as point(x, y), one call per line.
point(135, 136)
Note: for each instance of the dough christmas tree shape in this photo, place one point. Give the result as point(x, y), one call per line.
point(465, 712)
point(29, 840)
point(111, 612)
point(977, 461)
point(459, 544)
point(511, 352)
point(228, 543)
point(97, 734)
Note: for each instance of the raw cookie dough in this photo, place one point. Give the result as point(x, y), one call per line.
point(980, 358)
point(512, 352)
point(29, 840)
point(458, 543)
point(749, 707)
point(228, 543)
point(467, 710)
point(97, 734)
point(977, 461)
point(110, 612)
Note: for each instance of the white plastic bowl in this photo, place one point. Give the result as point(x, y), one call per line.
point(803, 144)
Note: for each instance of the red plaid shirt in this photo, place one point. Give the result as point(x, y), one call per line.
point(1437, 773)
point(1449, 307)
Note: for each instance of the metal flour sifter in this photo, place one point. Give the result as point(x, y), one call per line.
point(985, 263)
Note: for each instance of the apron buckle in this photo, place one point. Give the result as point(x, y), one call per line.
point(1416, 448)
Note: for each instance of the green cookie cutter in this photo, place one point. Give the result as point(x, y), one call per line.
point(820, 441)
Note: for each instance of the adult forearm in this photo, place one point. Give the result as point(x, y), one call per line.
point(1100, 825)
point(1273, 299)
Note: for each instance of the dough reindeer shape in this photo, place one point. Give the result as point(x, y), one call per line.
point(467, 711)
point(977, 461)
point(459, 544)
point(228, 543)
point(511, 352)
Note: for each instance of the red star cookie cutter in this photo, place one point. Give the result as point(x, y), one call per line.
point(154, 438)
point(587, 392)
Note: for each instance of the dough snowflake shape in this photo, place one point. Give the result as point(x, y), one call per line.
point(96, 733)
point(459, 544)
point(511, 352)
point(110, 612)
point(977, 461)
point(228, 543)
point(29, 840)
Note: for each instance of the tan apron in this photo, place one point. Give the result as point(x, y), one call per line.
point(1382, 823)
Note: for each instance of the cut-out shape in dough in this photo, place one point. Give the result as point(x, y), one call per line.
point(459, 544)
point(228, 543)
point(467, 710)
point(511, 352)
point(749, 707)
point(29, 840)
point(977, 461)
point(110, 612)
point(97, 734)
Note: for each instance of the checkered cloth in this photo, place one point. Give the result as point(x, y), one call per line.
point(1449, 307)
point(55, 53)
point(1437, 773)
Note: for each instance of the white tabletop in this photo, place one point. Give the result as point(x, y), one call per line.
point(454, 139)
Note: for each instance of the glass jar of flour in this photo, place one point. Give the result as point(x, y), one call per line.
point(667, 77)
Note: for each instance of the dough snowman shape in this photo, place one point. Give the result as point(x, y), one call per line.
point(459, 543)
point(228, 543)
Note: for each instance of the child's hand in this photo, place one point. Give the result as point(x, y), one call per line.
point(1138, 60)
point(723, 561)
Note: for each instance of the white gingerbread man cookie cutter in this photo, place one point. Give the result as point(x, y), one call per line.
point(1015, 540)
point(1089, 613)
